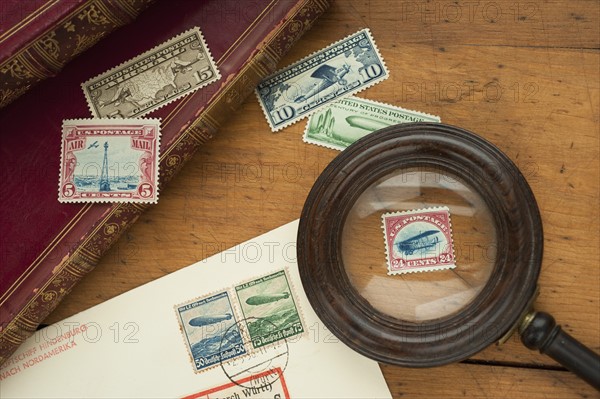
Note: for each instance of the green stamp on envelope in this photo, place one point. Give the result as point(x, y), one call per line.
point(269, 309)
point(351, 118)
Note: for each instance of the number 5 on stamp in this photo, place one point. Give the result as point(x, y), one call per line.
point(109, 160)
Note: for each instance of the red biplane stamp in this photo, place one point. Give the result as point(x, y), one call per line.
point(109, 160)
point(418, 240)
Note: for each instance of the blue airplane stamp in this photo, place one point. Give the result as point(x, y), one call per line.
point(418, 240)
point(210, 330)
point(340, 70)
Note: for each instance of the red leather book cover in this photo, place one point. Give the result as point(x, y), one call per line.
point(48, 246)
point(38, 37)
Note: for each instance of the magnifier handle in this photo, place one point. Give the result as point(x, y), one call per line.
point(542, 333)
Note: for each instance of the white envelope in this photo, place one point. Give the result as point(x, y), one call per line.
point(235, 325)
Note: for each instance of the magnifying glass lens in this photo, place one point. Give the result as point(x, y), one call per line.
point(419, 244)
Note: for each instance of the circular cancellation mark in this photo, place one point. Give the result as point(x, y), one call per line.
point(260, 367)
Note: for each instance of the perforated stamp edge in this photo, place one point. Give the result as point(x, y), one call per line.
point(295, 299)
point(186, 343)
point(111, 122)
point(424, 268)
point(211, 60)
point(309, 140)
point(349, 93)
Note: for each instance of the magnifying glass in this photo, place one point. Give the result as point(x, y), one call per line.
point(421, 244)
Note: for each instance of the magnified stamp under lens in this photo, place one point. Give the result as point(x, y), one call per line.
point(418, 240)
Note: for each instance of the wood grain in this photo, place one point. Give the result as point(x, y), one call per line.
point(484, 381)
point(530, 84)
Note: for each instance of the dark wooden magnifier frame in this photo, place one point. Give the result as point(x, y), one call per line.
point(490, 315)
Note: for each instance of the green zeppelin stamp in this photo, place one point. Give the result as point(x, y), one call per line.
point(351, 118)
point(269, 309)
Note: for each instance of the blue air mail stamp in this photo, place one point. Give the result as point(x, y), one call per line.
point(418, 240)
point(163, 74)
point(269, 309)
point(348, 119)
point(109, 160)
point(344, 68)
point(210, 330)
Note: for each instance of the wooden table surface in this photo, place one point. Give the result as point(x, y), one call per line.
point(522, 74)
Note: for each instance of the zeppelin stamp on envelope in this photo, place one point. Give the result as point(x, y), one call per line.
point(147, 82)
point(258, 361)
point(418, 240)
point(210, 330)
point(109, 160)
point(269, 309)
point(344, 68)
point(351, 118)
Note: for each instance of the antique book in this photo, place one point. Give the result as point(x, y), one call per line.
point(48, 246)
point(221, 328)
point(37, 38)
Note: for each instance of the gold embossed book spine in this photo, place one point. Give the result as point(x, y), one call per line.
point(38, 270)
point(38, 38)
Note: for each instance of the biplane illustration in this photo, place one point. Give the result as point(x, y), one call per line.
point(424, 240)
point(328, 76)
point(93, 145)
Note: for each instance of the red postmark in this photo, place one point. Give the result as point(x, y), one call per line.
point(109, 160)
point(418, 240)
point(269, 383)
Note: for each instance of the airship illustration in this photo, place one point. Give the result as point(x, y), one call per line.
point(328, 76)
point(365, 123)
point(262, 299)
point(423, 240)
point(207, 320)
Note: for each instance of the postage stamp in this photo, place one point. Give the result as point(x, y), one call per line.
point(270, 384)
point(109, 160)
point(351, 118)
point(344, 68)
point(418, 240)
point(147, 82)
point(259, 361)
point(269, 309)
point(210, 330)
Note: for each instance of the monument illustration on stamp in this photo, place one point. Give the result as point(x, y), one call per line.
point(163, 74)
point(109, 160)
point(269, 308)
point(418, 240)
point(210, 330)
